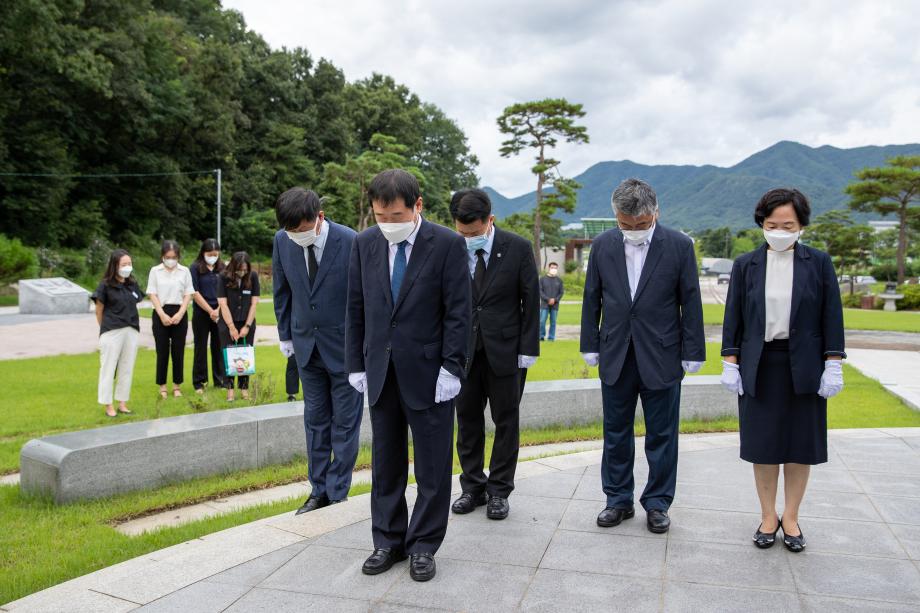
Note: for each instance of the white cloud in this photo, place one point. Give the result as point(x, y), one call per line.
point(705, 82)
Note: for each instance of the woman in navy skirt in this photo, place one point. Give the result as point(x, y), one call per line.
point(782, 348)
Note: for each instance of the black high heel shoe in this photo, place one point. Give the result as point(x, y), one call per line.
point(795, 544)
point(765, 540)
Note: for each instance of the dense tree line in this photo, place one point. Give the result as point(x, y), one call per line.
point(154, 86)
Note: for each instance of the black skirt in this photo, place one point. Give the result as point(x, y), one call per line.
point(780, 426)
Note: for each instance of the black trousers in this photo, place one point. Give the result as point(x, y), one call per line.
point(661, 409)
point(503, 395)
point(292, 377)
point(226, 341)
point(432, 438)
point(205, 329)
point(170, 341)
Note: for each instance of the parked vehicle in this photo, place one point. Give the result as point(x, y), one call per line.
point(724, 278)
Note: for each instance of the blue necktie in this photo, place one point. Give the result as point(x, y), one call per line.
point(399, 270)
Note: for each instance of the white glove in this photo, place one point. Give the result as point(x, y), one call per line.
point(731, 378)
point(591, 359)
point(358, 380)
point(287, 348)
point(691, 367)
point(447, 387)
point(832, 379)
point(526, 361)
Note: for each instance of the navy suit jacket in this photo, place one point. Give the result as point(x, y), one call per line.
point(815, 322)
point(665, 320)
point(423, 329)
point(313, 317)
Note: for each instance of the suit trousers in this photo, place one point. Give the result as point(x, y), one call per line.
point(432, 436)
point(661, 409)
point(170, 341)
point(117, 353)
point(205, 332)
point(504, 397)
point(332, 411)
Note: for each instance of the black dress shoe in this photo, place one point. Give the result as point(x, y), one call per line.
point(497, 508)
point(291, 397)
point(467, 503)
point(382, 560)
point(657, 521)
point(765, 540)
point(422, 567)
point(312, 503)
point(611, 517)
point(331, 502)
point(795, 544)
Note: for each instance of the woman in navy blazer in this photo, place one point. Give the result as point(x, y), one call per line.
point(782, 348)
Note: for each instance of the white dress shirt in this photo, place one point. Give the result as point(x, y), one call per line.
point(635, 260)
point(318, 245)
point(170, 286)
point(778, 294)
point(394, 247)
point(485, 256)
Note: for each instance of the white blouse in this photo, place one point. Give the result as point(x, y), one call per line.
point(170, 286)
point(778, 293)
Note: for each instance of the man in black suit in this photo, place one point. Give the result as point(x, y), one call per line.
point(504, 343)
point(408, 318)
point(642, 321)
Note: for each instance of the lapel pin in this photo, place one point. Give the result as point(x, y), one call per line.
point(498, 254)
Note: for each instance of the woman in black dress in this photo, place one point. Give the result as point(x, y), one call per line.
point(782, 348)
point(238, 295)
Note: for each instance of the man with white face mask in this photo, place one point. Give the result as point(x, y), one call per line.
point(642, 324)
point(310, 277)
point(408, 322)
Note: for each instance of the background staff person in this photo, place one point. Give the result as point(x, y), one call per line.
point(238, 295)
point(310, 276)
point(116, 300)
point(169, 286)
point(782, 348)
point(205, 272)
point(503, 343)
point(408, 324)
point(551, 291)
point(642, 323)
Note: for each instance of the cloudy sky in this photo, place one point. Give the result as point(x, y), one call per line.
point(663, 82)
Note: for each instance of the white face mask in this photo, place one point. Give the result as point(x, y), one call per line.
point(637, 237)
point(780, 240)
point(170, 263)
point(398, 232)
point(304, 239)
point(125, 271)
point(211, 260)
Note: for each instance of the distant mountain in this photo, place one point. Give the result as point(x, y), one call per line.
point(697, 197)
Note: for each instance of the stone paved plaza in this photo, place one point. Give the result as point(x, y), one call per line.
point(861, 518)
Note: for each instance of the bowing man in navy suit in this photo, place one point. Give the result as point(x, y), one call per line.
point(642, 323)
point(408, 320)
point(309, 270)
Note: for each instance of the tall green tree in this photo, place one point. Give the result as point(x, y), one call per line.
point(894, 188)
point(540, 125)
point(849, 244)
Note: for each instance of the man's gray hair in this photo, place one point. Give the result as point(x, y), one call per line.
point(634, 197)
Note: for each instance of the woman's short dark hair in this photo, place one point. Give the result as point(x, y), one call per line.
point(111, 269)
point(297, 205)
point(170, 245)
point(778, 197)
point(469, 205)
point(394, 184)
point(239, 260)
point(208, 244)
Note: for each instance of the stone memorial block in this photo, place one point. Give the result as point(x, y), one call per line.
point(54, 296)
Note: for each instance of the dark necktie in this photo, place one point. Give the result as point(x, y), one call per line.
point(399, 270)
point(312, 266)
point(479, 277)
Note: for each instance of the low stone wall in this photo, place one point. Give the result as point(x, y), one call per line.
point(143, 455)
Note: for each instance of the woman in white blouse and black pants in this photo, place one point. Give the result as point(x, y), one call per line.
point(782, 348)
point(170, 289)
